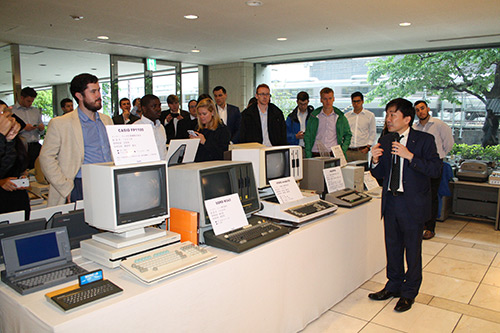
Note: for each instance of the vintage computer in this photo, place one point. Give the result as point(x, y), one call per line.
point(352, 195)
point(192, 184)
point(125, 200)
point(269, 162)
point(313, 173)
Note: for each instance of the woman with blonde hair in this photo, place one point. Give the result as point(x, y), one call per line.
point(213, 134)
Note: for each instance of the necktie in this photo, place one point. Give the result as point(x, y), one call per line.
point(396, 167)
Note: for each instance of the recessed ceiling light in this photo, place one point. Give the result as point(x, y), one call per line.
point(254, 3)
point(191, 17)
point(103, 37)
point(42, 65)
point(76, 17)
point(281, 39)
point(57, 74)
point(28, 79)
point(195, 50)
point(404, 24)
point(93, 68)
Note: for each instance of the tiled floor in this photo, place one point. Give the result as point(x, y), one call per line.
point(460, 291)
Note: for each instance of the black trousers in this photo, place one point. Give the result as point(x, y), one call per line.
point(403, 234)
point(431, 223)
point(33, 152)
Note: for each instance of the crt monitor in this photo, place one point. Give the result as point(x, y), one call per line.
point(192, 184)
point(313, 173)
point(270, 162)
point(125, 199)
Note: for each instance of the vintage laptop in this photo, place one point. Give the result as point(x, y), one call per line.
point(14, 229)
point(74, 222)
point(38, 260)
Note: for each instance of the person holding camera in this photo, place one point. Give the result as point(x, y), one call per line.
point(170, 118)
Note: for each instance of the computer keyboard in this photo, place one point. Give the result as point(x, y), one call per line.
point(257, 232)
point(52, 278)
point(317, 207)
point(163, 262)
point(86, 294)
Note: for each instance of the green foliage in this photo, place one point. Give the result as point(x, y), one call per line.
point(285, 101)
point(106, 98)
point(465, 151)
point(442, 73)
point(43, 101)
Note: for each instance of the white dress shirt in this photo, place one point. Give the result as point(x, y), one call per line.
point(263, 123)
point(160, 135)
point(363, 128)
point(442, 134)
point(223, 113)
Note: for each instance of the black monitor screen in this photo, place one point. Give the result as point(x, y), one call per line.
point(331, 164)
point(277, 164)
point(216, 185)
point(37, 248)
point(140, 193)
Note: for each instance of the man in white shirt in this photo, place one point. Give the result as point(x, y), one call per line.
point(444, 143)
point(363, 128)
point(151, 111)
point(230, 114)
point(32, 116)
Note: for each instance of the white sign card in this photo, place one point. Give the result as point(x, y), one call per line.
point(370, 181)
point(226, 213)
point(132, 144)
point(334, 179)
point(286, 189)
point(338, 153)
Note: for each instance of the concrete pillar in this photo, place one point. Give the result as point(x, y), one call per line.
point(238, 78)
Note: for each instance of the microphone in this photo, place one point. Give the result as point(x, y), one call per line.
point(395, 138)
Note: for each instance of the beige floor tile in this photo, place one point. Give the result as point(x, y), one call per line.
point(448, 287)
point(467, 254)
point(487, 247)
point(456, 268)
point(431, 247)
point(374, 328)
point(358, 305)
point(486, 227)
point(446, 233)
point(496, 261)
point(466, 309)
point(380, 277)
point(487, 297)
point(436, 320)
point(334, 322)
point(451, 224)
point(470, 324)
point(423, 298)
point(452, 241)
point(371, 286)
point(426, 259)
point(491, 238)
point(492, 277)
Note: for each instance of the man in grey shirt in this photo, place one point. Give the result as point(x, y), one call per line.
point(32, 116)
point(443, 137)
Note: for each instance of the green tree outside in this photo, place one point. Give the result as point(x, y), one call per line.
point(43, 101)
point(476, 72)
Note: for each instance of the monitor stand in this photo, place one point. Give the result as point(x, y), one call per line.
point(123, 239)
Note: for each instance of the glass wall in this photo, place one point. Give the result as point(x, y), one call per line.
point(457, 98)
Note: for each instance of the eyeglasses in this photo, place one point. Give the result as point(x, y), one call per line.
point(264, 94)
point(357, 101)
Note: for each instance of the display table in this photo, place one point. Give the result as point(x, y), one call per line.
point(280, 286)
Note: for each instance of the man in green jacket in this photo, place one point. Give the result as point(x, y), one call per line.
point(328, 126)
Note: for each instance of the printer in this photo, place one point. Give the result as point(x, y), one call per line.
point(473, 171)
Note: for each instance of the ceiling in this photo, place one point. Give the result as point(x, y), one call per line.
point(231, 31)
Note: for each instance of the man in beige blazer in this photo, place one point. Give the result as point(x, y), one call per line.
point(74, 139)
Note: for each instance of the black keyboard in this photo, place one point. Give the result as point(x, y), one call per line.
point(309, 208)
point(257, 232)
point(42, 281)
point(86, 294)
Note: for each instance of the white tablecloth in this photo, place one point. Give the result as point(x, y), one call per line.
point(280, 286)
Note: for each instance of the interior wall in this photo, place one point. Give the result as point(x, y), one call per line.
point(237, 78)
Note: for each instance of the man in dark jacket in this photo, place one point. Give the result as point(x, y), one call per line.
point(296, 121)
point(263, 122)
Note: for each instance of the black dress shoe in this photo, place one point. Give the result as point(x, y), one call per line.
point(404, 304)
point(382, 295)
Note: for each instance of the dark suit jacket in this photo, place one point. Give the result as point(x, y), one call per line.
point(118, 120)
point(184, 125)
point(416, 175)
point(251, 130)
point(233, 122)
point(169, 128)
